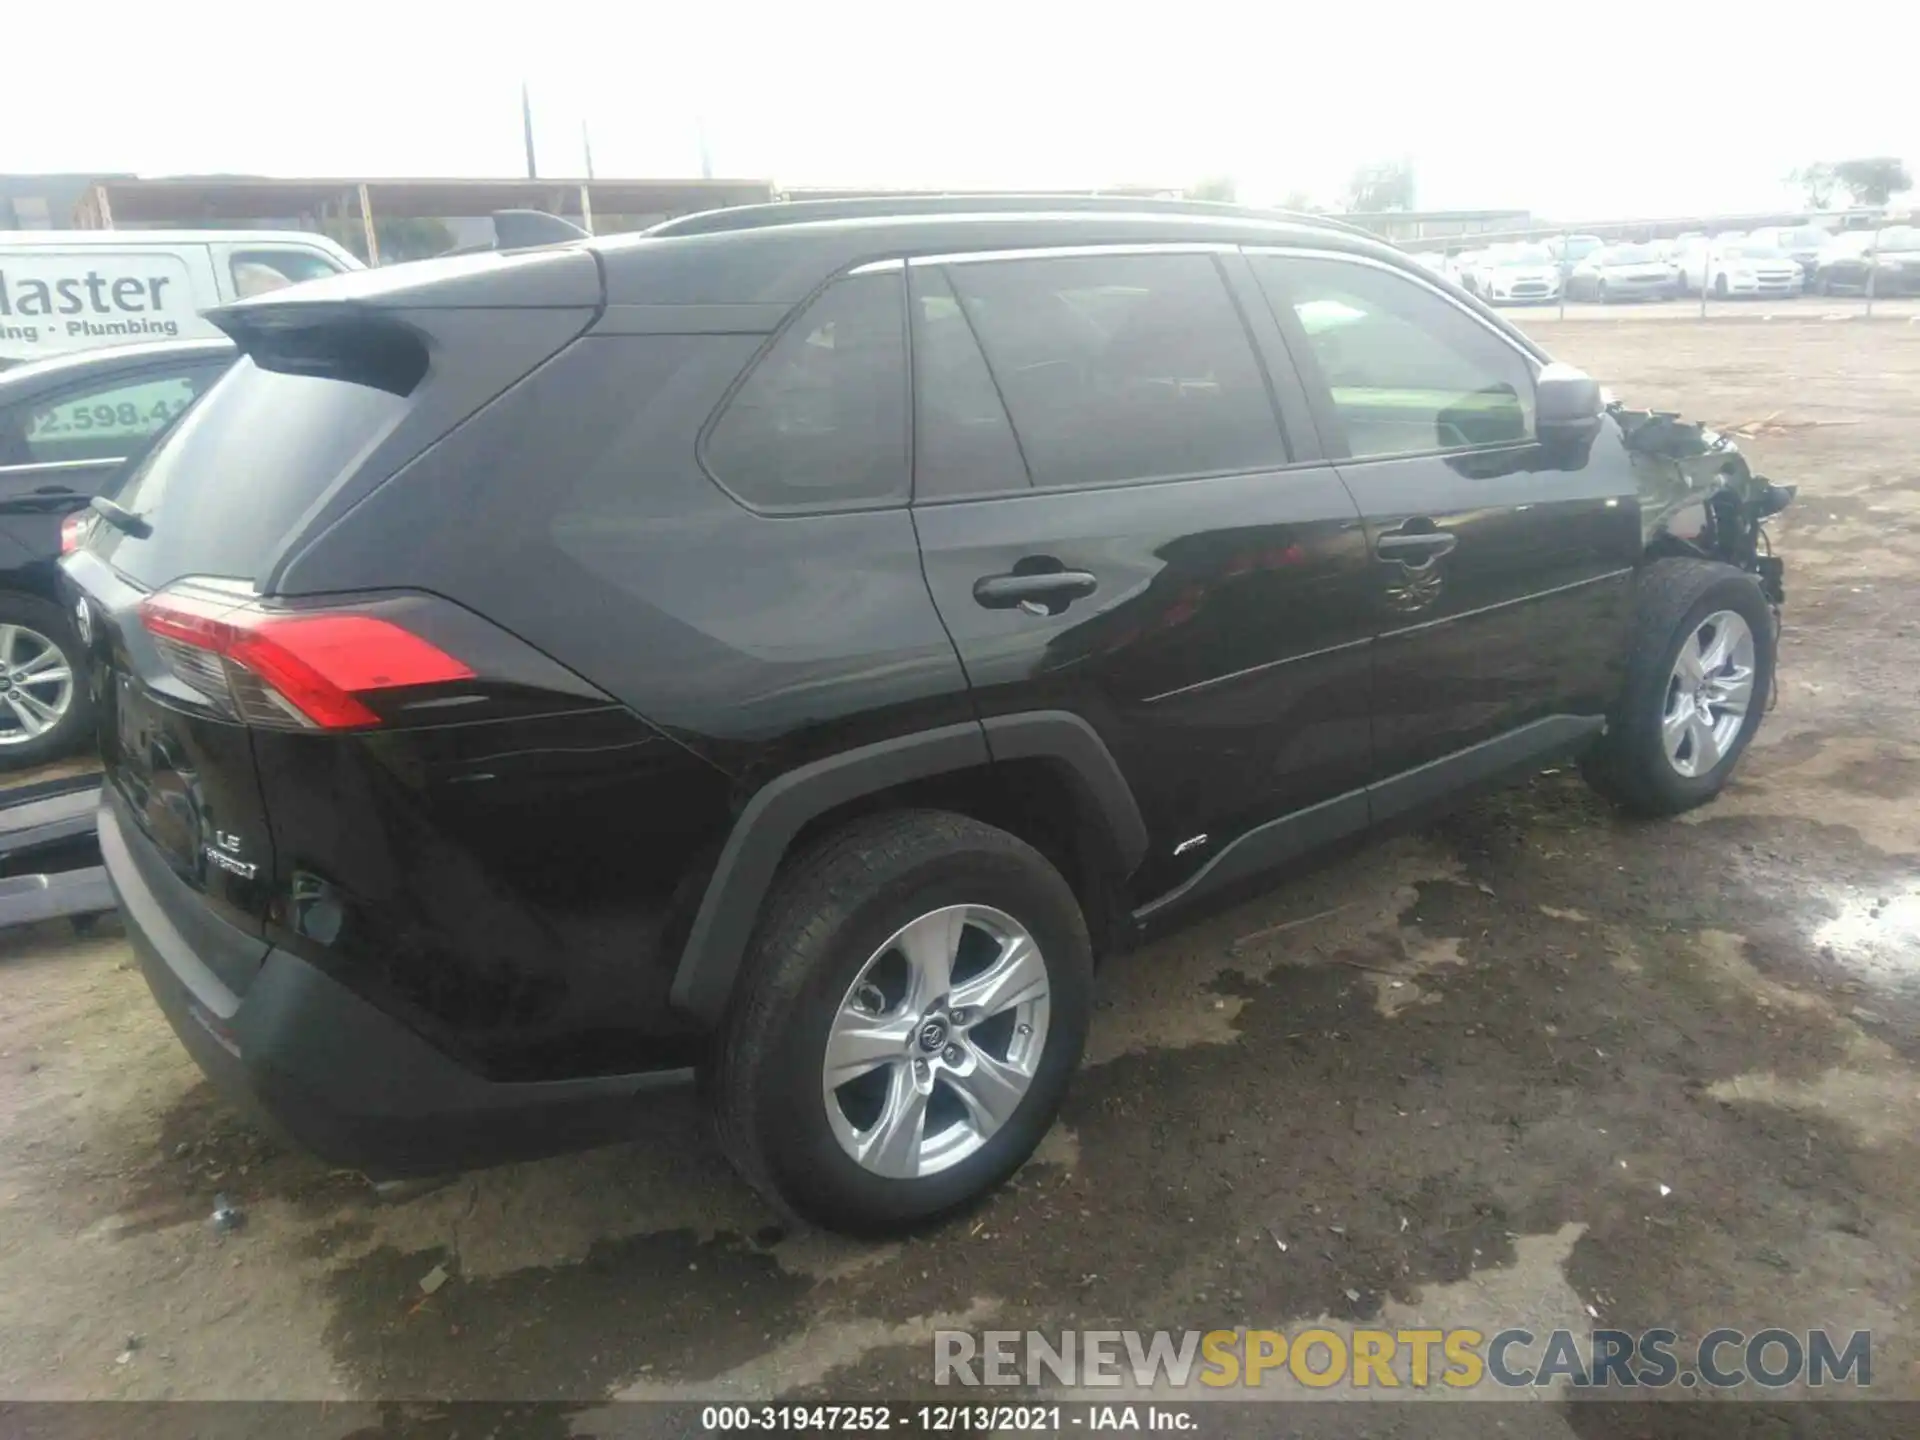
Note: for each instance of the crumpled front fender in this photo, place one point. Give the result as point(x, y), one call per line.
point(1699, 495)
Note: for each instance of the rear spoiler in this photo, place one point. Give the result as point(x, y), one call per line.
point(332, 341)
point(371, 326)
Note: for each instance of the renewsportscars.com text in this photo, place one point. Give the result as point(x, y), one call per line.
point(1389, 1359)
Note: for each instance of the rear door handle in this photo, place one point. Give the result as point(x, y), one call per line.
point(1047, 592)
point(1417, 548)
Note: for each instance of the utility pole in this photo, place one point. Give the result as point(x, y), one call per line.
point(586, 144)
point(526, 122)
point(706, 158)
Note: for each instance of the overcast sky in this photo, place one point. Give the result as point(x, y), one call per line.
point(1572, 110)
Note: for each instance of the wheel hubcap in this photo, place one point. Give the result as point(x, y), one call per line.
point(936, 1042)
point(36, 684)
point(1708, 694)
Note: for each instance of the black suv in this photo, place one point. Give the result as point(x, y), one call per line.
point(793, 642)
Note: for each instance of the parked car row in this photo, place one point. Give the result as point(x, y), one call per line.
point(1780, 260)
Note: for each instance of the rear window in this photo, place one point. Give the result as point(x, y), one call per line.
point(233, 477)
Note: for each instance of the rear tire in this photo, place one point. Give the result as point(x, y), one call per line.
point(1719, 287)
point(828, 948)
point(1631, 765)
point(31, 624)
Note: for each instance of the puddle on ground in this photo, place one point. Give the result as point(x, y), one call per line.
point(1875, 932)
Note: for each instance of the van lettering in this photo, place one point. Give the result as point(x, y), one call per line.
point(33, 298)
point(80, 328)
point(92, 293)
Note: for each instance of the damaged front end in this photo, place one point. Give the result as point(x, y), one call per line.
point(1698, 496)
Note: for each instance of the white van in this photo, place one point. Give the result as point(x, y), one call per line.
point(66, 290)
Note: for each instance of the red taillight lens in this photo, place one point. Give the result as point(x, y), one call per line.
point(301, 669)
point(73, 530)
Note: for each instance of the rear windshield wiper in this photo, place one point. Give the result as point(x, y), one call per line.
point(121, 518)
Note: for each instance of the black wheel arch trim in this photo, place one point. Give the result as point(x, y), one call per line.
point(1063, 736)
point(766, 826)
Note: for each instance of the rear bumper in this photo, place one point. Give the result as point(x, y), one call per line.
point(331, 1072)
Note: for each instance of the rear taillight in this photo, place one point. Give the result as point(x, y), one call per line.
point(74, 530)
point(304, 670)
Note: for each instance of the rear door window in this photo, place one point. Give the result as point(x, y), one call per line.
point(820, 422)
point(1121, 368)
point(218, 500)
point(963, 443)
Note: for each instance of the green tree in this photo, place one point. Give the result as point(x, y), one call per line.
point(1301, 201)
point(1817, 182)
point(1382, 185)
point(1214, 187)
point(1874, 180)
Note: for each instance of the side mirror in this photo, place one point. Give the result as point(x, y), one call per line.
point(1566, 405)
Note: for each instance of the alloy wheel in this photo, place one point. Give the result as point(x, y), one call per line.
point(936, 1042)
point(1708, 693)
point(36, 684)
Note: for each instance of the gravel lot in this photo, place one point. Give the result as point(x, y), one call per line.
point(1533, 1065)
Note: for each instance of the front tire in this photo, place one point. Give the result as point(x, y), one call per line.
point(912, 1007)
point(45, 711)
point(1697, 686)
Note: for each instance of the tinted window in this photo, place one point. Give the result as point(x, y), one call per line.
point(227, 484)
point(821, 421)
point(104, 420)
point(1121, 367)
point(1409, 371)
point(963, 444)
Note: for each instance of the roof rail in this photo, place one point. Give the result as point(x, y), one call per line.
point(801, 212)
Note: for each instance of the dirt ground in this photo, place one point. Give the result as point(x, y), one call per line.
point(1535, 1065)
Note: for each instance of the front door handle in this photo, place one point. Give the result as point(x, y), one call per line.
point(1045, 592)
point(1419, 547)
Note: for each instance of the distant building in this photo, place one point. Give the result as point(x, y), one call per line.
point(42, 202)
